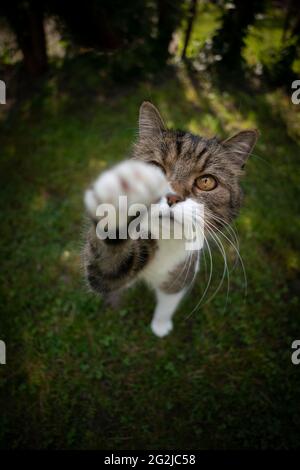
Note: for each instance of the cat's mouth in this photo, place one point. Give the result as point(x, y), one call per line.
point(183, 210)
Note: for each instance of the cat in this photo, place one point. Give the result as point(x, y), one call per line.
point(176, 170)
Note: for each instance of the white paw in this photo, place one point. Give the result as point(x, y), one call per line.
point(161, 328)
point(140, 182)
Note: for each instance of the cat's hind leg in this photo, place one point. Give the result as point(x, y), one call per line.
point(162, 324)
point(113, 299)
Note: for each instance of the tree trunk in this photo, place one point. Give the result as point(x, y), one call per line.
point(27, 21)
point(168, 20)
point(229, 40)
point(287, 20)
point(191, 19)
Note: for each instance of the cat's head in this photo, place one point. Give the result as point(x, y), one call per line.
point(200, 170)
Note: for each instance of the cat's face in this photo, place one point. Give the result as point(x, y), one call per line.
point(199, 170)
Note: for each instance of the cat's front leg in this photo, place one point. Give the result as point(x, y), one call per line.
point(114, 262)
point(162, 324)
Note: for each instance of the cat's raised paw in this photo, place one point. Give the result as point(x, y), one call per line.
point(140, 182)
point(161, 328)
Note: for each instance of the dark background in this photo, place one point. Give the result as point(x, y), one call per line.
point(79, 375)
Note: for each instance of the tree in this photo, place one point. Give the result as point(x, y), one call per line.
point(190, 22)
point(134, 35)
point(229, 40)
point(26, 18)
point(281, 72)
point(169, 16)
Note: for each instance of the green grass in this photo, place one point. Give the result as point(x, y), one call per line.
point(79, 375)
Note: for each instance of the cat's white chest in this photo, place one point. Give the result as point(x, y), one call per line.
point(169, 254)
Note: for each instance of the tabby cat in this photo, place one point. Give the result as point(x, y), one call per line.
point(176, 170)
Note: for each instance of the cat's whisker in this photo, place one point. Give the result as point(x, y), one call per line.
point(225, 270)
point(190, 219)
point(190, 256)
point(205, 263)
point(218, 242)
point(231, 231)
point(181, 271)
point(209, 280)
point(196, 268)
point(255, 156)
point(227, 226)
point(238, 254)
point(226, 153)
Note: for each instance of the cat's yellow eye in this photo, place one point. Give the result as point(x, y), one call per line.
point(206, 183)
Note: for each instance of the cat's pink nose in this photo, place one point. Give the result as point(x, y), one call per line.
point(173, 199)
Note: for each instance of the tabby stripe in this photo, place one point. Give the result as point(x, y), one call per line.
point(203, 151)
point(124, 267)
point(178, 147)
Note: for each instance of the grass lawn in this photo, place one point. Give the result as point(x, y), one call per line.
point(79, 375)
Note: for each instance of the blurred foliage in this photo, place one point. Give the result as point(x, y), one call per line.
point(206, 22)
point(138, 38)
point(139, 32)
point(266, 49)
point(265, 45)
point(229, 38)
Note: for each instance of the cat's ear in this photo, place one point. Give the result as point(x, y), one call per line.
point(150, 121)
point(241, 145)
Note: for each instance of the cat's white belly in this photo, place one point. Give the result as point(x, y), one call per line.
point(169, 254)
